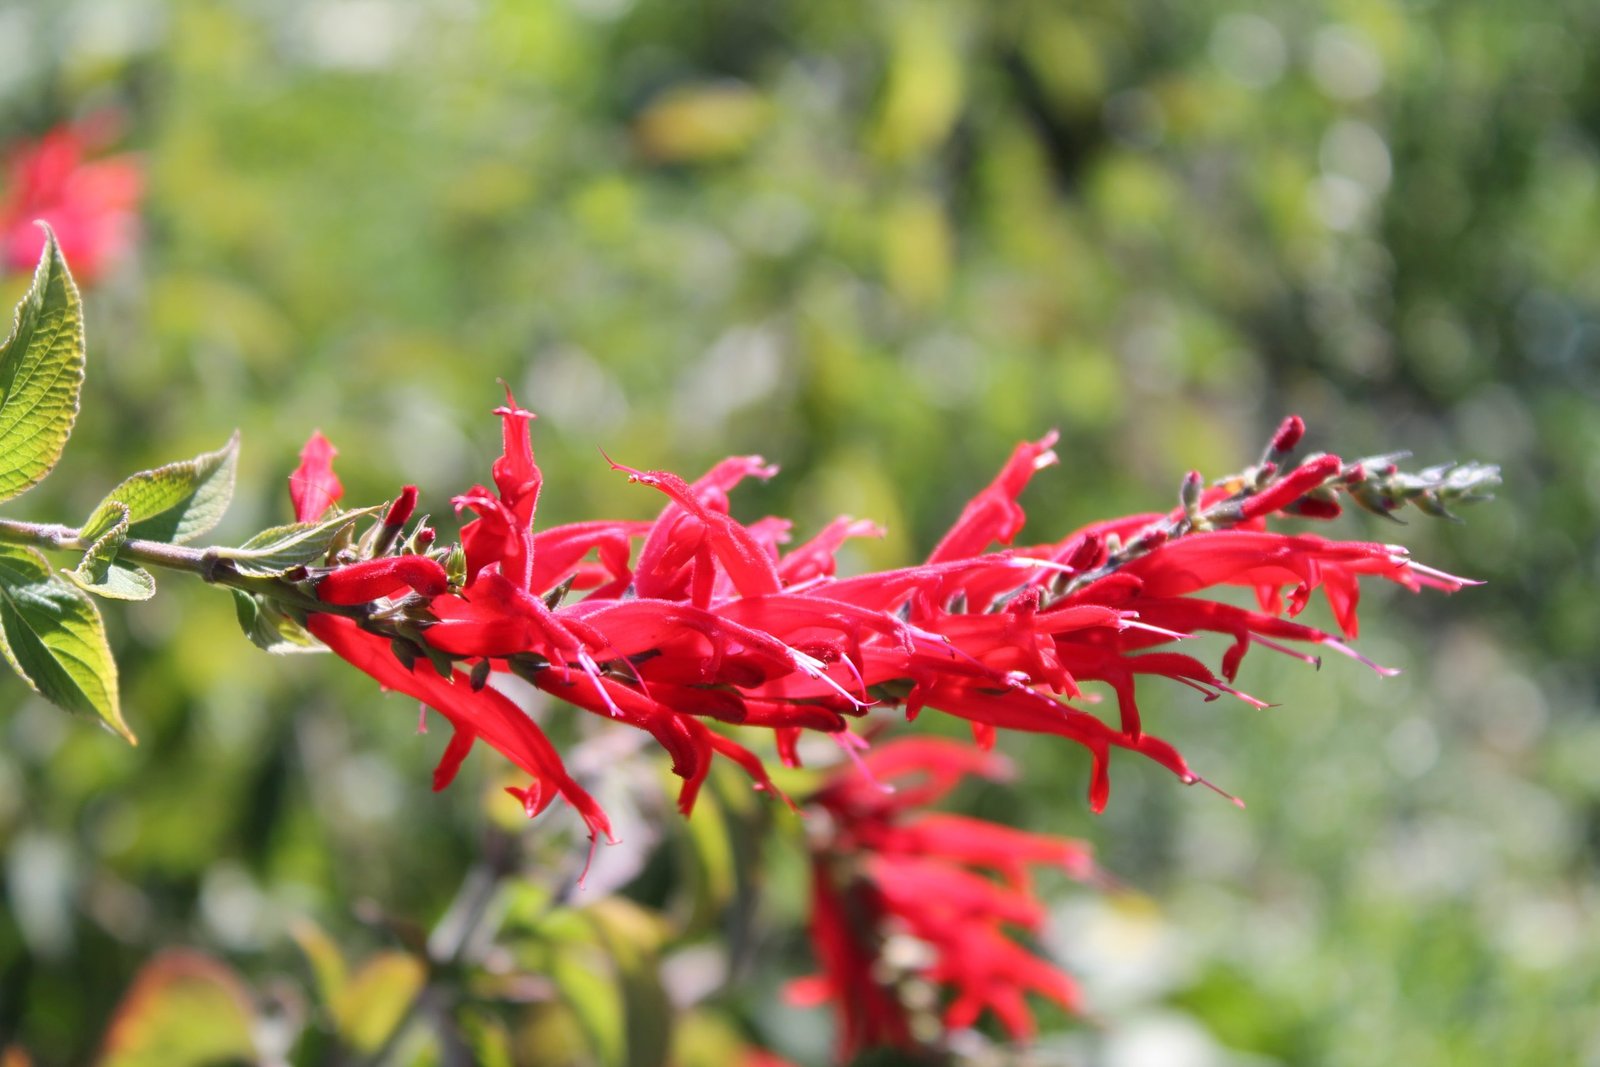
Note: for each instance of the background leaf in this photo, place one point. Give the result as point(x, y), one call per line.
point(184, 1010)
point(41, 372)
point(174, 503)
point(52, 633)
point(374, 1000)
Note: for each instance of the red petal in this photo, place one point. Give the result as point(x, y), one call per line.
point(313, 487)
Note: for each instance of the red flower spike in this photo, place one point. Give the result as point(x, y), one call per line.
point(313, 486)
point(695, 618)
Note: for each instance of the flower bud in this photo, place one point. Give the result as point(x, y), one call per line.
point(1288, 435)
point(360, 583)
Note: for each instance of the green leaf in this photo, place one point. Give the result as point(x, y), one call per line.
point(327, 962)
point(184, 1010)
point(633, 937)
point(121, 582)
point(41, 371)
point(175, 503)
point(374, 1000)
point(102, 575)
point(282, 548)
point(51, 633)
point(267, 627)
point(580, 974)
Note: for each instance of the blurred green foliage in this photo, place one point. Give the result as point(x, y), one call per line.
point(878, 244)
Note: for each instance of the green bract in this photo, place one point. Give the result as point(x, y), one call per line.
point(272, 552)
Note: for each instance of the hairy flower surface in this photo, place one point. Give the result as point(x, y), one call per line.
point(904, 899)
point(91, 204)
point(695, 627)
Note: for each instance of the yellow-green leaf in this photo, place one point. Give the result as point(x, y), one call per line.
point(119, 582)
point(100, 573)
point(327, 962)
point(174, 503)
point(184, 1010)
point(374, 1001)
point(52, 634)
point(700, 123)
point(41, 372)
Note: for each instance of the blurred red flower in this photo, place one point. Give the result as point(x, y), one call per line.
point(92, 204)
point(903, 898)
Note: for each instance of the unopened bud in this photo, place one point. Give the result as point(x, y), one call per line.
point(394, 520)
point(404, 504)
point(1289, 433)
point(1189, 492)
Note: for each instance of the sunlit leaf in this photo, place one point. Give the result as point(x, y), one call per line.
point(41, 373)
point(52, 634)
point(101, 574)
point(175, 503)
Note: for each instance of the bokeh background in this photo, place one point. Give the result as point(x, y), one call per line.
point(878, 244)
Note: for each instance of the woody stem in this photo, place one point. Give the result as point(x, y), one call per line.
point(207, 563)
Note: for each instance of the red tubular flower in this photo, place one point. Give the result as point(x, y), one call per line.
point(883, 870)
point(92, 206)
point(694, 624)
point(313, 486)
point(400, 511)
point(474, 713)
point(372, 579)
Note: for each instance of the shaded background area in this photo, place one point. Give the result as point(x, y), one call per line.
point(878, 246)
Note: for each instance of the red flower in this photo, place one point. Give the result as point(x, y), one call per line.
point(473, 712)
point(92, 206)
point(695, 624)
point(955, 887)
point(313, 487)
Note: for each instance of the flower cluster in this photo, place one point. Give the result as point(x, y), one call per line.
point(92, 205)
point(906, 901)
point(695, 627)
